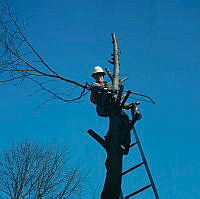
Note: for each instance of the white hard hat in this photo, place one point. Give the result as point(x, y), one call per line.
point(97, 69)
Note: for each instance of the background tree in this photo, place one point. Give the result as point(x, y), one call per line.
point(30, 170)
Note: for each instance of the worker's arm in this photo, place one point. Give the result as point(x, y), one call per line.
point(97, 90)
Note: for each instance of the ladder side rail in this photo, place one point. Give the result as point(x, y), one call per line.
point(145, 164)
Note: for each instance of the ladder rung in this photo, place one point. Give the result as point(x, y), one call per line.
point(133, 144)
point(135, 167)
point(138, 191)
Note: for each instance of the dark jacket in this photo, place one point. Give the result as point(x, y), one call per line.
point(102, 97)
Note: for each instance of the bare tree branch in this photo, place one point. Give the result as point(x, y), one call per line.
point(19, 60)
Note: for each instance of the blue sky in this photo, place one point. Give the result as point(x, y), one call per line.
point(161, 55)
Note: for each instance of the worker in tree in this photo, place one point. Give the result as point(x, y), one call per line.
point(102, 96)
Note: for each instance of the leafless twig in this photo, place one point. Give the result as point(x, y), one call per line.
point(20, 60)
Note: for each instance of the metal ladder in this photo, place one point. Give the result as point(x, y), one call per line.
point(144, 162)
point(101, 141)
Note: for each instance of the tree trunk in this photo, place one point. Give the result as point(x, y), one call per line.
point(118, 134)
